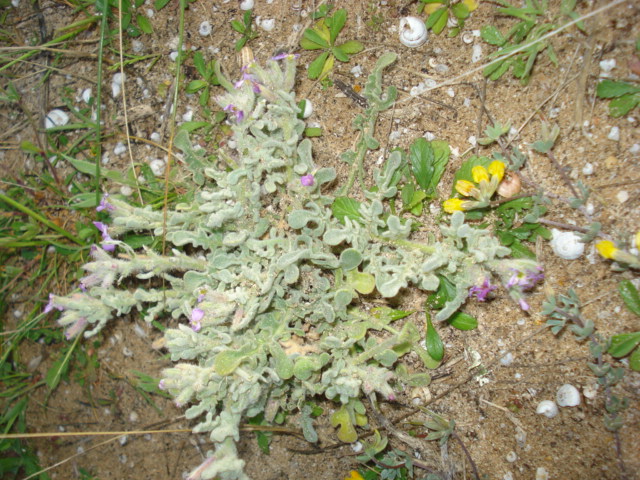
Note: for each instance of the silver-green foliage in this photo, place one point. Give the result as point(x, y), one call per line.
point(270, 278)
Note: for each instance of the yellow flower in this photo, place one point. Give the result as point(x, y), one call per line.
point(354, 475)
point(431, 7)
point(464, 187)
point(607, 249)
point(479, 173)
point(471, 4)
point(453, 205)
point(497, 168)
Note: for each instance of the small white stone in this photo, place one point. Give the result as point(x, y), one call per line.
point(542, 474)
point(548, 408)
point(187, 116)
point(56, 118)
point(127, 352)
point(590, 391)
point(589, 208)
point(614, 134)
point(507, 476)
point(356, 71)
point(451, 92)
point(587, 169)
point(622, 196)
point(123, 440)
point(635, 148)
point(356, 447)
point(511, 457)
point(137, 46)
point(86, 95)
point(507, 359)
point(116, 84)
point(268, 24)
point(476, 53)
point(246, 5)
point(126, 190)
point(133, 416)
point(17, 313)
point(472, 140)
point(205, 29)
point(155, 137)
point(568, 396)
point(173, 55)
point(607, 65)
point(119, 149)
point(80, 450)
point(157, 167)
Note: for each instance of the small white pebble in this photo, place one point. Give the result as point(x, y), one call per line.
point(614, 134)
point(622, 196)
point(157, 167)
point(205, 28)
point(126, 190)
point(356, 71)
point(246, 5)
point(133, 416)
point(507, 476)
point(80, 450)
point(472, 140)
point(116, 84)
point(155, 137)
point(511, 457)
point(542, 474)
point(150, 12)
point(607, 65)
point(587, 169)
point(517, 376)
point(268, 24)
point(476, 53)
point(589, 208)
point(127, 352)
point(521, 321)
point(451, 92)
point(137, 46)
point(17, 313)
point(173, 55)
point(356, 447)
point(507, 359)
point(119, 149)
point(635, 148)
point(56, 118)
point(187, 116)
point(86, 95)
point(139, 331)
point(123, 440)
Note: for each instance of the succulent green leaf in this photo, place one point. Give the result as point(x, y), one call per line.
point(350, 259)
point(630, 297)
point(623, 344)
point(317, 66)
point(614, 88)
point(463, 321)
point(435, 347)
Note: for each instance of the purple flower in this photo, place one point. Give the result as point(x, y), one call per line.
point(104, 230)
point(307, 180)
point(235, 110)
point(197, 315)
point(523, 305)
point(282, 56)
point(51, 305)
point(481, 292)
point(161, 385)
point(104, 205)
point(525, 280)
point(247, 77)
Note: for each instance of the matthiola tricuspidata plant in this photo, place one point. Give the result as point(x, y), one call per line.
point(264, 278)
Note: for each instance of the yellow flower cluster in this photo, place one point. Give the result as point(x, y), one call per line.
point(354, 475)
point(484, 185)
point(608, 250)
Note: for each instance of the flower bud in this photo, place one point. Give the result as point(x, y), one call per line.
point(479, 173)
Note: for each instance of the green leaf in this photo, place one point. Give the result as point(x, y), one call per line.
point(313, 132)
point(446, 292)
point(614, 88)
point(519, 250)
point(237, 26)
point(464, 172)
point(463, 321)
point(346, 207)
point(630, 296)
point(351, 46)
point(336, 23)
point(361, 282)
point(623, 105)
point(144, 24)
point(460, 11)
point(160, 4)
point(195, 85)
point(438, 20)
point(422, 161)
point(388, 315)
point(623, 344)
point(634, 360)
point(433, 341)
point(339, 54)
point(350, 259)
point(313, 38)
point(316, 67)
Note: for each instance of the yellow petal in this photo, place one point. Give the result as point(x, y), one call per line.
point(471, 4)
point(354, 475)
point(431, 7)
point(453, 205)
point(607, 249)
point(479, 173)
point(497, 168)
point(464, 187)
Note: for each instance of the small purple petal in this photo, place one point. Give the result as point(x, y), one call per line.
point(161, 385)
point(108, 247)
point(49, 307)
point(282, 56)
point(196, 326)
point(197, 314)
point(201, 297)
point(104, 205)
point(307, 180)
point(524, 305)
point(76, 328)
point(481, 292)
point(102, 227)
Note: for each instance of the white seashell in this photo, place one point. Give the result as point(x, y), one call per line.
point(116, 84)
point(568, 396)
point(157, 167)
point(566, 245)
point(468, 37)
point(268, 24)
point(413, 32)
point(56, 118)
point(205, 29)
point(548, 408)
point(86, 95)
point(308, 108)
point(246, 5)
